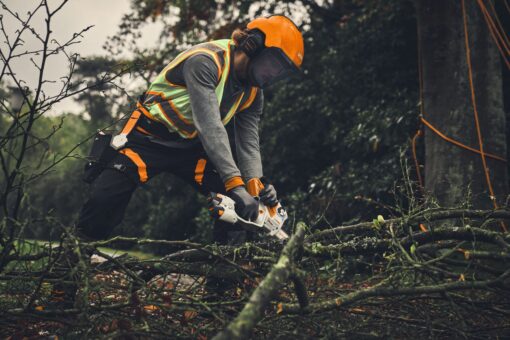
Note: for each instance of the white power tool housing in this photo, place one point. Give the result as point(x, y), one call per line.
point(270, 219)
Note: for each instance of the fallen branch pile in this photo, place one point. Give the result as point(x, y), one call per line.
point(436, 273)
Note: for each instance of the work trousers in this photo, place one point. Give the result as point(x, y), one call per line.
point(137, 163)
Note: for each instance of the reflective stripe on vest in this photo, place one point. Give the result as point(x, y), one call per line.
point(250, 100)
point(169, 103)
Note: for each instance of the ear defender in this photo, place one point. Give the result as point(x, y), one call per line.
point(253, 43)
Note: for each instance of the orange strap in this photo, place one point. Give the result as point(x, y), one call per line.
point(145, 112)
point(233, 182)
point(199, 171)
point(142, 130)
point(135, 158)
point(131, 122)
point(254, 186)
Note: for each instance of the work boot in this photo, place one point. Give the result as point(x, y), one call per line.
point(63, 295)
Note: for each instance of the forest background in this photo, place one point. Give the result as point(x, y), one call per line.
point(335, 141)
point(398, 118)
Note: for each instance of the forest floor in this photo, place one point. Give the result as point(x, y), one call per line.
point(371, 280)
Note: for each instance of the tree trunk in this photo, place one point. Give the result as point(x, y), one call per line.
point(452, 174)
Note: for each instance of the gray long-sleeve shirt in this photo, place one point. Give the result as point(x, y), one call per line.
point(200, 74)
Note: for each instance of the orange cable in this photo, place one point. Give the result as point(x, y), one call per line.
point(477, 122)
point(506, 5)
point(415, 158)
point(497, 29)
point(457, 143)
point(495, 34)
point(500, 26)
point(490, 22)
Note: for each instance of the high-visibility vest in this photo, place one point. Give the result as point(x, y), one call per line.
point(169, 103)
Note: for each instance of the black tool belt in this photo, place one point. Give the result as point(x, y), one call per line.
point(100, 155)
point(102, 151)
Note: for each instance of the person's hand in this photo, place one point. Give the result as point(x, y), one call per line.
point(268, 195)
point(247, 207)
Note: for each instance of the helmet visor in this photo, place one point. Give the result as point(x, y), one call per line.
point(270, 66)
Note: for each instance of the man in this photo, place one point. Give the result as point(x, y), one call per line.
point(180, 124)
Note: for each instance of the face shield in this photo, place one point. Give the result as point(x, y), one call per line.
point(269, 66)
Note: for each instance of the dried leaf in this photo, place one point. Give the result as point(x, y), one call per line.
point(357, 309)
point(189, 314)
point(279, 308)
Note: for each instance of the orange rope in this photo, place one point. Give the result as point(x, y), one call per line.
point(490, 22)
point(477, 122)
point(459, 144)
point(498, 39)
point(506, 5)
point(415, 158)
point(500, 26)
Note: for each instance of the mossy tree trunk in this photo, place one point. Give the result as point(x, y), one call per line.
point(451, 172)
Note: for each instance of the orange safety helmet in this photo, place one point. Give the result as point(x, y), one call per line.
point(282, 33)
point(275, 47)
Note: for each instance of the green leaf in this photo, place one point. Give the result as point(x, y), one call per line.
point(376, 224)
point(413, 249)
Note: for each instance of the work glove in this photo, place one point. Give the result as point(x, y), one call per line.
point(247, 207)
point(268, 195)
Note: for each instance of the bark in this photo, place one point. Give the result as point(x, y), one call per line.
point(422, 217)
point(452, 172)
point(372, 245)
point(242, 326)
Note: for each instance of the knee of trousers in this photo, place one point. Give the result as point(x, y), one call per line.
point(100, 214)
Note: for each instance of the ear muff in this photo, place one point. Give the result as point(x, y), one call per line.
point(253, 43)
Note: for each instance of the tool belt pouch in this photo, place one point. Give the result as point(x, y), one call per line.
point(99, 157)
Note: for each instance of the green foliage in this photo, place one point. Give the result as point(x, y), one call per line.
point(59, 191)
point(337, 130)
